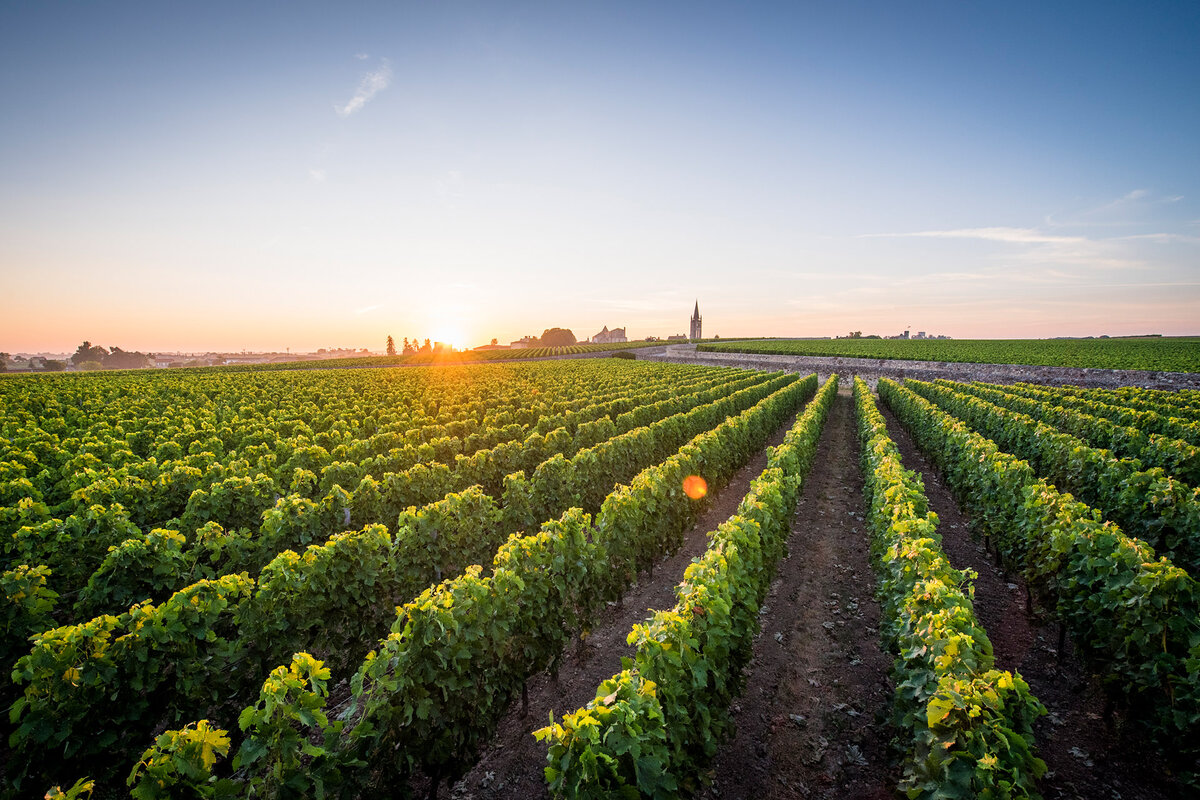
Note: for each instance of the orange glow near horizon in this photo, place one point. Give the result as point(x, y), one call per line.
point(162, 324)
point(450, 323)
point(695, 487)
point(452, 337)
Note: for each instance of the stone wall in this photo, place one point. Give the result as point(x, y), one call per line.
point(871, 369)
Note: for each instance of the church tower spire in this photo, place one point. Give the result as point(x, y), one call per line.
point(695, 326)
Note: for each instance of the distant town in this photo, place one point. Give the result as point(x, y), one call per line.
point(89, 357)
point(92, 357)
point(902, 335)
point(59, 362)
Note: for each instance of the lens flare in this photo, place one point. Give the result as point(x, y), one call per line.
point(695, 487)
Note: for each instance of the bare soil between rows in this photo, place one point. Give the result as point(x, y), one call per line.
point(1089, 754)
point(811, 721)
point(513, 764)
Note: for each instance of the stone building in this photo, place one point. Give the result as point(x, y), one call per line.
point(615, 336)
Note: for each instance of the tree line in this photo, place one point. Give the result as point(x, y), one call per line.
point(90, 356)
point(551, 337)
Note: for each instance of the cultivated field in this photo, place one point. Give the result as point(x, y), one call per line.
point(376, 582)
point(444, 358)
point(1173, 354)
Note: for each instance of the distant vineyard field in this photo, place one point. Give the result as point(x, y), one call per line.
point(1174, 354)
point(441, 359)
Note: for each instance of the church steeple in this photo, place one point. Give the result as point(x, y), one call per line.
point(694, 332)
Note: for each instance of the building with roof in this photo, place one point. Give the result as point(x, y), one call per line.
point(615, 336)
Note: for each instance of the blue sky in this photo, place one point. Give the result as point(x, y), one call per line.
point(194, 176)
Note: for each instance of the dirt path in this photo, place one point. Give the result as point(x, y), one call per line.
point(1085, 759)
point(812, 722)
point(512, 766)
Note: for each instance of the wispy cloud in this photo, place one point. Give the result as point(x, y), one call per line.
point(448, 186)
point(785, 273)
point(317, 175)
point(1130, 208)
point(1035, 246)
point(1161, 237)
point(371, 84)
point(1012, 235)
point(653, 301)
point(1145, 285)
point(1121, 203)
point(365, 309)
point(632, 304)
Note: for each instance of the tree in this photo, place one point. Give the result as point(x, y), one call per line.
point(408, 348)
point(557, 337)
point(88, 352)
point(121, 359)
point(427, 347)
point(855, 335)
point(3, 362)
point(391, 346)
point(495, 342)
point(54, 366)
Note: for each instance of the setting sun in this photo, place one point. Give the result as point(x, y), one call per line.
point(446, 324)
point(452, 336)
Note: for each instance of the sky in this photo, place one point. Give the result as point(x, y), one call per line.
point(229, 176)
